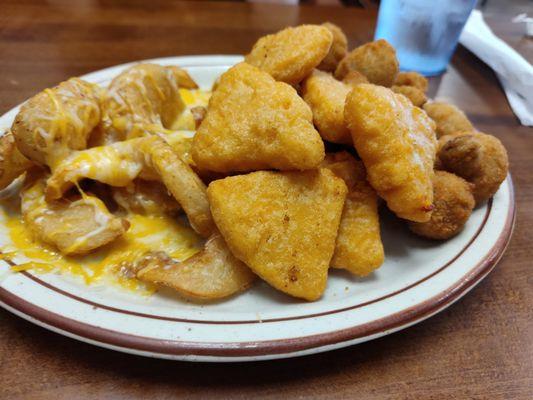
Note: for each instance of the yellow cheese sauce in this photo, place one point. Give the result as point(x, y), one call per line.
point(157, 232)
point(106, 264)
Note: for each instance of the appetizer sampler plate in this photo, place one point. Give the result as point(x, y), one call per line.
point(418, 279)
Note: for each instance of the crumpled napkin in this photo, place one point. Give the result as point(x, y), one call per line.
point(513, 70)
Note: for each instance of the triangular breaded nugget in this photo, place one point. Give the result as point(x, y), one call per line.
point(254, 122)
point(283, 225)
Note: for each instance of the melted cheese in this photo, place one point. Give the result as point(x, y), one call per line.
point(107, 264)
point(191, 98)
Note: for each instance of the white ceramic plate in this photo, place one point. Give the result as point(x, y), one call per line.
point(419, 278)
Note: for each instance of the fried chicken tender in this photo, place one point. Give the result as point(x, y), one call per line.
point(292, 53)
point(375, 60)
point(358, 247)
point(415, 95)
point(12, 162)
point(338, 48)
point(478, 158)
point(283, 225)
point(413, 79)
point(326, 96)
point(453, 201)
point(143, 99)
point(73, 226)
point(145, 197)
point(254, 122)
point(148, 158)
point(213, 273)
point(57, 121)
point(397, 144)
point(449, 118)
point(354, 78)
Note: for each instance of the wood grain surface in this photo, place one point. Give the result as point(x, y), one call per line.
point(480, 348)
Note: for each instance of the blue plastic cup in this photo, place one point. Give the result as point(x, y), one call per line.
point(424, 32)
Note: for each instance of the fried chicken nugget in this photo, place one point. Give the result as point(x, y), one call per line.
point(74, 227)
point(291, 54)
point(283, 225)
point(449, 118)
point(326, 96)
point(478, 158)
point(12, 162)
point(254, 122)
point(415, 95)
point(358, 247)
point(397, 144)
point(413, 79)
point(375, 60)
point(354, 78)
point(338, 48)
point(57, 121)
point(150, 158)
point(142, 100)
point(453, 201)
point(213, 273)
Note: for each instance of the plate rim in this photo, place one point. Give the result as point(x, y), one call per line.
point(254, 350)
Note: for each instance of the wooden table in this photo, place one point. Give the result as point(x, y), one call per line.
point(481, 347)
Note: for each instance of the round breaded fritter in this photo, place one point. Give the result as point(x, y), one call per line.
point(338, 48)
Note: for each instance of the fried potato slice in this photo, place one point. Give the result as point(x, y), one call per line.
point(143, 99)
point(73, 226)
point(213, 273)
point(57, 121)
point(354, 78)
point(397, 144)
point(453, 200)
point(145, 197)
point(479, 158)
point(283, 225)
point(326, 96)
point(338, 49)
point(254, 122)
point(412, 78)
point(415, 95)
point(149, 158)
point(375, 60)
point(292, 53)
point(12, 162)
point(449, 118)
point(358, 247)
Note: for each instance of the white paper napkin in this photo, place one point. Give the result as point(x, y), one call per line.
point(513, 70)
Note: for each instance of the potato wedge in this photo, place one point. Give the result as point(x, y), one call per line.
point(283, 225)
point(12, 162)
point(254, 122)
point(213, 273)
point(358, 247)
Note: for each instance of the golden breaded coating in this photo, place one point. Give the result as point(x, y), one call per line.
point(283, 225)
point(358, 247)
point(354, 78)
point(479, 158)
point(375, 60)
point(12, 162)
point(338, 48)
point(415, 95)
point(56, 121)
point(397, 144)
point(291, 54)
point(74, 226)
point(453, 201)
point(213, 273)
point(326, 96)
point(254, 122)
point(413, 79)
point(143, 99)
point(449, 118)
